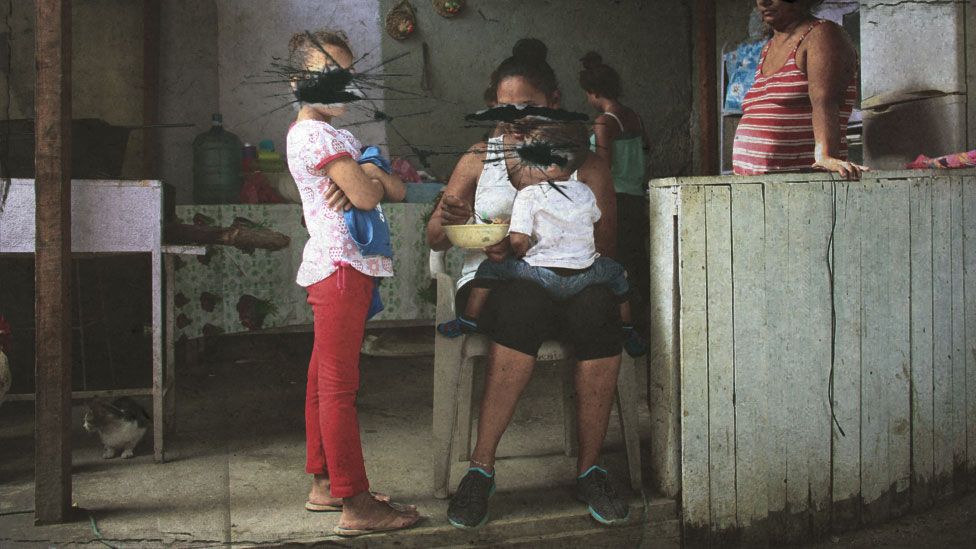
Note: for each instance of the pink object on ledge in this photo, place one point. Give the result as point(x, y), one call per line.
point(403, 169)
point(955, 160)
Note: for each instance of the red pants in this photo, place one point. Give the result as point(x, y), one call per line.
point(339, 304)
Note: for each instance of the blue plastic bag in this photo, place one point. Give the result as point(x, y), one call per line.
point(372, 155)
point(376, 303)
point(369, 230)
point(371, 233)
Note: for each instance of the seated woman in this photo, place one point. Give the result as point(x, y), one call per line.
point(551, 234)
point(518, 315)
point(794, 118)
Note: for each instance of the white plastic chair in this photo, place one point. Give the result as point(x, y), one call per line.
point(453, 381)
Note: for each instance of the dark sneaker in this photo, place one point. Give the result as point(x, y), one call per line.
point(593, 488)
point(469, 505)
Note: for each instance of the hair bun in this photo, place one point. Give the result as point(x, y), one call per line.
point(591, 60)
point(531, 50)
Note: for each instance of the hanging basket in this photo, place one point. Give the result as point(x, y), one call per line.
point(401, 21)
point(448, 8)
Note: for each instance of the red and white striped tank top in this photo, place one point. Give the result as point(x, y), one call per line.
point(775, 133)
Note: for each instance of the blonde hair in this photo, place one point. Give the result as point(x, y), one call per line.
point(302, 44)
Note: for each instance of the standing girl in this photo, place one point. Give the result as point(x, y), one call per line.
point(332, 176)
point(620, 139)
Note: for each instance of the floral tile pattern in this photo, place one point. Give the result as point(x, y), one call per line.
point(230, 290)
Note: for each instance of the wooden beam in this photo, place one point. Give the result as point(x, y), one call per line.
point(707, 87)
point(52, 409)
point(150, 79)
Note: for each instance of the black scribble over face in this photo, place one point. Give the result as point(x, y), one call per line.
point(541, 154)
point(323, 76)
point(514, 113)
point(546, 148)
point(326, 87)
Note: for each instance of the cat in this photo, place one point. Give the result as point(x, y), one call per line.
point(120, 425)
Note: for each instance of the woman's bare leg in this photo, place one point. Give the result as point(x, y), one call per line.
point(320, 494)
point(365, 512)
point(596, 381)
point(508, 373)
point(476, 302)
point(625, 312)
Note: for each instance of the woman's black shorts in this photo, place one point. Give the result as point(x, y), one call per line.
point(521, 315)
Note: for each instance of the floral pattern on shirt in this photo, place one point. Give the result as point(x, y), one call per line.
point(312, 145)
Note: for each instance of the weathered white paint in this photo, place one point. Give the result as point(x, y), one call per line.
point(693, 323)
point(721, 376)
point(942, 332)
point(957, 349)
point(752, 369)
point(778, 315)
point(846, 431)
point(106, 217)
point(922, 340)
point(969, 253)
point(663, 374)
point(755, 286)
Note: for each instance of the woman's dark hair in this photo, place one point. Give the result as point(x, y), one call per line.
point(304, 43)
point(598, 78)
point(808, 7)
point(528, 60)
point(811, 5)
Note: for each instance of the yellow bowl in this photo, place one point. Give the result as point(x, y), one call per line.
point(476, 236)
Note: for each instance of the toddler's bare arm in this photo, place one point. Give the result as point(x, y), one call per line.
point(520, 243)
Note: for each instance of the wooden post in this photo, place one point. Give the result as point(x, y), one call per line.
point(706, 87)
point(150, 80)
point(52, 408)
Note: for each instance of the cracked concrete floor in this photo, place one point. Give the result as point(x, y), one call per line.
point(234, 473)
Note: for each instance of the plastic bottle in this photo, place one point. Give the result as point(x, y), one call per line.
point(216, 165)
point(270, 160)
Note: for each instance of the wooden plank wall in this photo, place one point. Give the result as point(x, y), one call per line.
point(792, 291)
point(663, 376)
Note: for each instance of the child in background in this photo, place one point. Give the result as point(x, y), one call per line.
point(551, 232)
point(332, 176)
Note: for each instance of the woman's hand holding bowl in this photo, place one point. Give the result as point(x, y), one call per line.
point(455, 211)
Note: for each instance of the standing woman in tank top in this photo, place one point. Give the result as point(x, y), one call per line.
point(619, 138)
point(794, 118)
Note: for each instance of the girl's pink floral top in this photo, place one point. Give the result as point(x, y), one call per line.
point(311, 146)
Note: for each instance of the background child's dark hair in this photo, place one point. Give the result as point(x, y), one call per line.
point(599, 78)
point(302, 44)
point(528, 60)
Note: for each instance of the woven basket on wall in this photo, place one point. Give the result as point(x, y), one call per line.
point(447, 8)
point(401, 21)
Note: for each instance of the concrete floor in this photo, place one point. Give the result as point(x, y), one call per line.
point(235, 465)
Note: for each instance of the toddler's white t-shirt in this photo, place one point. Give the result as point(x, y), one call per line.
point(560, 226)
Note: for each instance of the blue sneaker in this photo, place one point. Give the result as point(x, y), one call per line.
point(469, 505)
point(458, 327)
point(594, 489)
